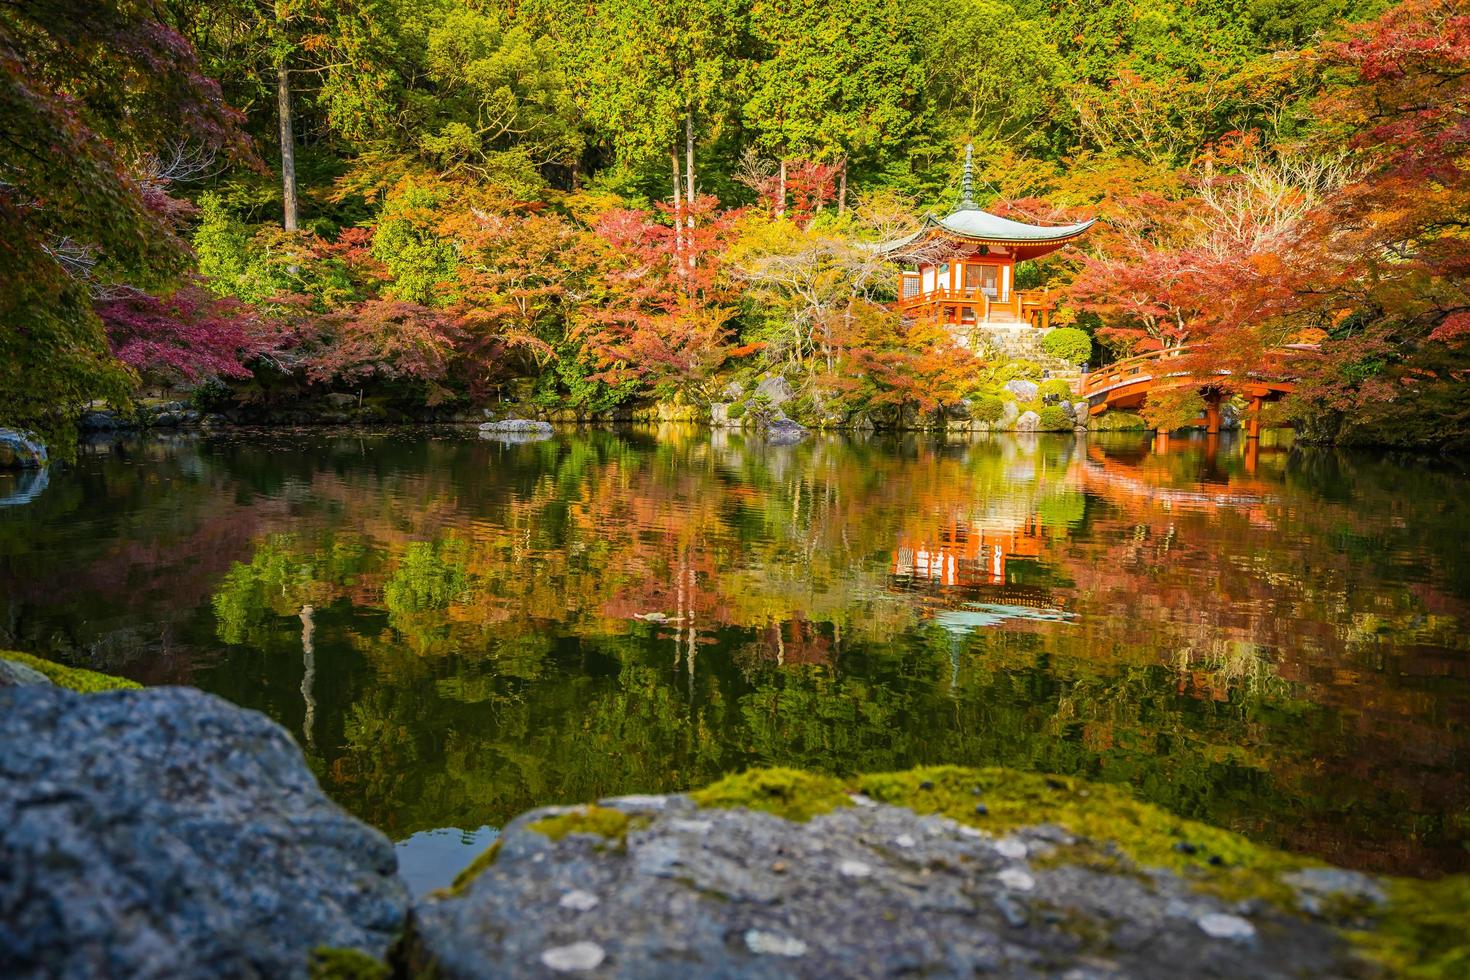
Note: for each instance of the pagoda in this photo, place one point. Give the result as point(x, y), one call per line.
point(971, 282)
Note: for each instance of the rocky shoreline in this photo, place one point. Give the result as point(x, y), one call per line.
point(769, 404)
point(165, 832)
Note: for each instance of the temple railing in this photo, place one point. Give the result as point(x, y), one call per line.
point(1032, 306)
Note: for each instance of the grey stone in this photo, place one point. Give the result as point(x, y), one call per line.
point(14, 674)
point(21, 450)
point(1314, 884)
point(167, 833)
point(1223, 925)
point(574, 957)
point(105, 420)
point(1028, 422)
point(517, 430)
point(1024, 391)
point(719, 414)
point(732, 392)
point(1011, 411)
point(777, 390)
point(340, 399)
point(784, 432)
point(758, 896)
point(532, 426)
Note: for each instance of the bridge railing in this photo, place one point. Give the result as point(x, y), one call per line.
point(1142, 367)
point(1129, 369)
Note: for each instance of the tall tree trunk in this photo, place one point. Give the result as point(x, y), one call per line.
point(842, 189)
point(678, 215)
point(689, 179)
point(288, 144)
point(781, 191)
point(689, 159)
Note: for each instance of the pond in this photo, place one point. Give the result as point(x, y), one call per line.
point(1269, 639)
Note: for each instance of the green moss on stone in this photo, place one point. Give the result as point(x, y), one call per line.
point(334, 963)
point(787, 793)
point(599, 820)
point(1219, 861)
point(1424, 932)
point(473, 869)
point(72, 678)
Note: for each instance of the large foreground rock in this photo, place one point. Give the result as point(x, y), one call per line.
point(658, 887)
point(167, 833)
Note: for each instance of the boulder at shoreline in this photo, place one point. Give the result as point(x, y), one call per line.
point(168, 833)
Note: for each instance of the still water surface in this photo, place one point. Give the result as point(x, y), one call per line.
point(457, 629)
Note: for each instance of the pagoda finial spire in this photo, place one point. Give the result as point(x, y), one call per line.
point(967, 183)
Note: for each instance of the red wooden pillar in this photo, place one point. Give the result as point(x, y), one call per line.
point(1212, 414)
point(1253, 419)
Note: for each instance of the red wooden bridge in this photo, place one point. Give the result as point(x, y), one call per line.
point(1126, 384)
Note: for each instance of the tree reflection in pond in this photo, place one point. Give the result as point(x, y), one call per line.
point(1270, 640)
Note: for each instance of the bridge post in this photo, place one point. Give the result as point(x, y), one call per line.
point(1253, 419)
point(1212, 413)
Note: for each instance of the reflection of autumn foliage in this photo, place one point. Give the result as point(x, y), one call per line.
point(1245, 647)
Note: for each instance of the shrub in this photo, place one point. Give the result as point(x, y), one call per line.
point(1054, 419)
point(1172, 409)
point(1054, 387)
point(1118, 422)
point(1068, 344)
point(987, 408)
point(1024, 370)
point(735, 411)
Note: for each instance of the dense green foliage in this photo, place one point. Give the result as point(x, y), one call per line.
point(1068, 344)
point(583, 204)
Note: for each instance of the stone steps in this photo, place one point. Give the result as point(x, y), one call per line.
point(1021, 342)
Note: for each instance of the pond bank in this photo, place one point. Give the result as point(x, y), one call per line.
point(136, 820)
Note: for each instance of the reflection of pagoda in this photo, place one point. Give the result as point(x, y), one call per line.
point(967, 564)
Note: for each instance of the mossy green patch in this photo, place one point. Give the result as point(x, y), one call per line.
point(334, 963)
point(999, 800)
point(473, 870)
point(599, 820)
point(1424, 932)
point(72, 678)
point(787, 793)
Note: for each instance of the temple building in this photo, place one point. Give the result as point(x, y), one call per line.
point(972, 283)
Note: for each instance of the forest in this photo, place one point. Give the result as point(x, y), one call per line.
point(436, 204)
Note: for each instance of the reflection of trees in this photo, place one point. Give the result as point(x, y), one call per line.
point(474, 651)
point(1189, 669)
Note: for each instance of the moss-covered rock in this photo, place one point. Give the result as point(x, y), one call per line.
point(72, 678)
point(597, 820)
point(1009, 873)
point(1422, 929)
point(334, 963)
point(787, 793)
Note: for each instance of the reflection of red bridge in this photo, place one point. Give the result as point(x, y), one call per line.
point(1129, 485)
point(1128, 383)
